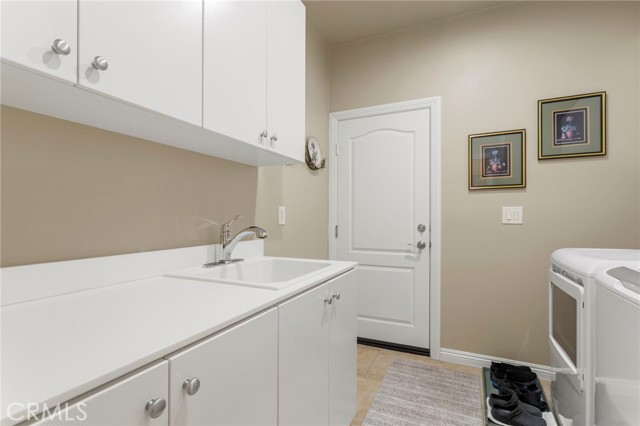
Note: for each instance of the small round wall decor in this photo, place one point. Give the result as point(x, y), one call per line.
point(313, 155)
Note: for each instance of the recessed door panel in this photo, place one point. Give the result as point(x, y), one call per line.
point(372, 153)
point(393, 286)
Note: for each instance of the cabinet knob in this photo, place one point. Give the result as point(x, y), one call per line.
point(100, 63)
point(61, 47)
point(155, 407)
point(336, 296)
point(263, 137)
point(274, 139)
point(191, 386)
point(328, 300)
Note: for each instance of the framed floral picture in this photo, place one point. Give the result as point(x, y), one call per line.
point(572, 126)
point(497, 160)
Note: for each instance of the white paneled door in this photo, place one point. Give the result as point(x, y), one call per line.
point(383, 221)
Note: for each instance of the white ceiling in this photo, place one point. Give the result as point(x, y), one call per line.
point(345, 21)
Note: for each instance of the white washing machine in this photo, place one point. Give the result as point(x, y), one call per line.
point(617, 347)
point(572, 288)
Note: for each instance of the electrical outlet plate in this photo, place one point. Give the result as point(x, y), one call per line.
point(512, 215)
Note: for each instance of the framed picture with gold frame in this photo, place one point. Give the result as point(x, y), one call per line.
point(572, 126)
point(497, 160)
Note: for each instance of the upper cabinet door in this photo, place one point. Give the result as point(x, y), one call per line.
point(150, 53)
point(286, 77)
point(235, 63)
point(30, 30)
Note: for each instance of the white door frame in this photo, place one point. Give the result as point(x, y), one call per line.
point(435, 201)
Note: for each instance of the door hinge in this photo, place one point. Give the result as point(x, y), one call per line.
point(336, 231)
point(336, 149)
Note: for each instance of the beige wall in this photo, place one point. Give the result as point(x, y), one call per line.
point(71, 191)
point(301, 190)
point(490, 68)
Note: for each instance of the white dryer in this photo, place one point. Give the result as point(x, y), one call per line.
point(617, 343)
point(572, 288)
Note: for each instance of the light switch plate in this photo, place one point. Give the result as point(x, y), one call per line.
point(281, 215)
point(512, 215)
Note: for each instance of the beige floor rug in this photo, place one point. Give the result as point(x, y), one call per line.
point(413, 393)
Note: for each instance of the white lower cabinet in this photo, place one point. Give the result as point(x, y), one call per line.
point(317, 355)
point(293, 364)
point(237, 372)
point(139, 399)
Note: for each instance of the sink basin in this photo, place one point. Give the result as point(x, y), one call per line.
point(264, 272)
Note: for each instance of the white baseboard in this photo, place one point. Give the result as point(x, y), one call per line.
point(478, 360)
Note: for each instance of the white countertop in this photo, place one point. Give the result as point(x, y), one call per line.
point(57, 348)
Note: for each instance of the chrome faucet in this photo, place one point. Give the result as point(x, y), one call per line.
point(228, 243)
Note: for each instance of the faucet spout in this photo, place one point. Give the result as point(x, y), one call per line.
point(227, 247)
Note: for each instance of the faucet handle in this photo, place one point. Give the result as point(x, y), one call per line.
point(228, 224)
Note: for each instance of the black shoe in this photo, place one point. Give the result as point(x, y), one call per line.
point(515, 378)
point(512, 416)
point(499, 369)
point(531, 395)
point(508, 398)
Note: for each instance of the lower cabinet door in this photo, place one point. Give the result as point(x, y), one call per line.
point(230, 378)
point(342, 350)
point(303, 361)
point(137, 400)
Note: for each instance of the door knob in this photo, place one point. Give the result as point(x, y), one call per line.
point(100, 63)
point(421, 245)
point(422, 228)
point(155, 407)
point(61, 47)
point(191, 386)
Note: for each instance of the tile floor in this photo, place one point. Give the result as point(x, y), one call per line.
point(373, 364)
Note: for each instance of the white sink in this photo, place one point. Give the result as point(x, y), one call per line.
point(263, 272)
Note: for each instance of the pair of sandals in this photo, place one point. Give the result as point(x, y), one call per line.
point(519, 379)
point(507, 409)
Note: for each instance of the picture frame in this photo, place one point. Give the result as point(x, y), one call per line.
point(497, 160)
point(572, 126)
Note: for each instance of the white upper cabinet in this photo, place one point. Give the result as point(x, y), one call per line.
point(254, 80)
point(232, 72)
point(286, 77)
point(30, 29)
point(150, 53)
point(235, 63)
